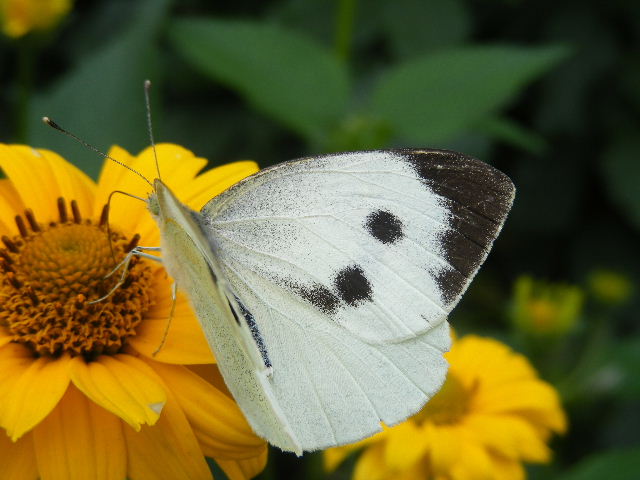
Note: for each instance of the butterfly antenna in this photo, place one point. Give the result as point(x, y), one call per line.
point(55, 126)
point(147, 101)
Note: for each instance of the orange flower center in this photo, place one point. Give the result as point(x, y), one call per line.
point(449, 405)
point(49, 274)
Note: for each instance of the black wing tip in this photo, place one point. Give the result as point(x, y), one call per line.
point(478, 197)
point(481, 170)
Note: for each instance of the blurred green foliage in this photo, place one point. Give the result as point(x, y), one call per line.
point(547, 91)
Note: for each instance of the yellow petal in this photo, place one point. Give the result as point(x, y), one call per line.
point(336, 455)
point(124, 212)
point(214, 182)
point(510, 436)
point(80, 440)
point(178, 167)
point(417, 471)
point(18, 459)
point(167, 450)
point(10, 206)
point(500, 365)
point(244, 469)
point(444, 448)
point(31, 392)
point(473, 462)
point(31, 177)
point(4, 339)
point(122, 384)
point(12, 357)
point(529, 395)
point(507, 469)
point(333, 457)
point(41, 176)
point(185, 342)
point(211, 374)
point(112, 175)
point(552, 418)
point(406, 445)
point(216, 419)
point(72, 183)
point(370, 465)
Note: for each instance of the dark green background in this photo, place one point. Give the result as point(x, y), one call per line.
point(547, 91)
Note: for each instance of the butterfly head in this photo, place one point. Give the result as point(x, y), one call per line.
point(152, 200)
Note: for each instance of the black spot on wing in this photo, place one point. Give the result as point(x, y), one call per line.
point(350, 287)
point(320, 297)
point(384, 226)
point(353, 286)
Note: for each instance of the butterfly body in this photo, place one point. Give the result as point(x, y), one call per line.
point(323, 284)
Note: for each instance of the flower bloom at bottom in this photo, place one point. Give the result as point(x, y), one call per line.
point(85, 390)
point(492, 414)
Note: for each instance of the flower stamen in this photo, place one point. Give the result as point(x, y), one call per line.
point(32, 220)
point(77, 218)
point(48, 273)
point(62, 210)
point(22, 228)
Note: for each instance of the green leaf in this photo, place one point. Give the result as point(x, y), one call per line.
point(622, 174)
point(623, 367)
point(511, 133)
point(417, 26)
point(436, 97)
point(102, 99)
point(615, 465)
point(281, 73)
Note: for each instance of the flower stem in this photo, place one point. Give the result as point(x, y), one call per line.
point(344, 28)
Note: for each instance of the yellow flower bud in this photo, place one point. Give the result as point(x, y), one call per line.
point(609, 287)
point(545, 309)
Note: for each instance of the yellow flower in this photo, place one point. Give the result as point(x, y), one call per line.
point(609, 287)
point(492, 414)
point(19, 17)
point(81, 394)
point(545, 309)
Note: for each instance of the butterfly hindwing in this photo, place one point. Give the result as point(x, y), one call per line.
point(332, 387)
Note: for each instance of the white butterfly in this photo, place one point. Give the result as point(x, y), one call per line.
point(323, 284)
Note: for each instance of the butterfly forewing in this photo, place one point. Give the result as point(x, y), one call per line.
point(382, 243)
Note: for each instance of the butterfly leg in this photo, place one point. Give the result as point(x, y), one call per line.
point(174, 295)
point(124, 265)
